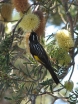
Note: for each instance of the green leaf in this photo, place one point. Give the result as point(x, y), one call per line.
point(7, 98)
point(47, 82)
point(51, 89)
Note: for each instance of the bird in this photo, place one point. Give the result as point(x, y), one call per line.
point(40, 55)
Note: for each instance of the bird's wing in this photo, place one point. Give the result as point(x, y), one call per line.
point(39, 53)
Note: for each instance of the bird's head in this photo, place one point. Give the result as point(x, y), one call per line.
point(33, 37)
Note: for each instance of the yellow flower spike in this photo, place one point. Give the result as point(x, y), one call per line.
point(6, 12)
point(64, 39)
point(21, 5)
point(30, 22)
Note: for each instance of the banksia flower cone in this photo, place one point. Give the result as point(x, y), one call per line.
point(40, 30)
point(6, 12)
point(30, 22)
point(64, 39)
point(21, 5)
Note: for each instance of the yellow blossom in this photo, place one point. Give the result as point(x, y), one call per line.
point(30, 22)
point(64, 39)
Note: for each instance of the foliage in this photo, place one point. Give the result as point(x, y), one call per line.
point(20, 75)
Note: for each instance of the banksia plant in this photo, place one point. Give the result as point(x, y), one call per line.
point(65, 60)
point(6, 12)
point(64, 39)
point(61, 56)
point(40, 30)
point(30, 22)
point(21, 5)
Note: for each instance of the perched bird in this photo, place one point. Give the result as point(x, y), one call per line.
point(40, 55)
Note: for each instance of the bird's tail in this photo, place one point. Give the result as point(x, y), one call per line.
point(54, 76)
